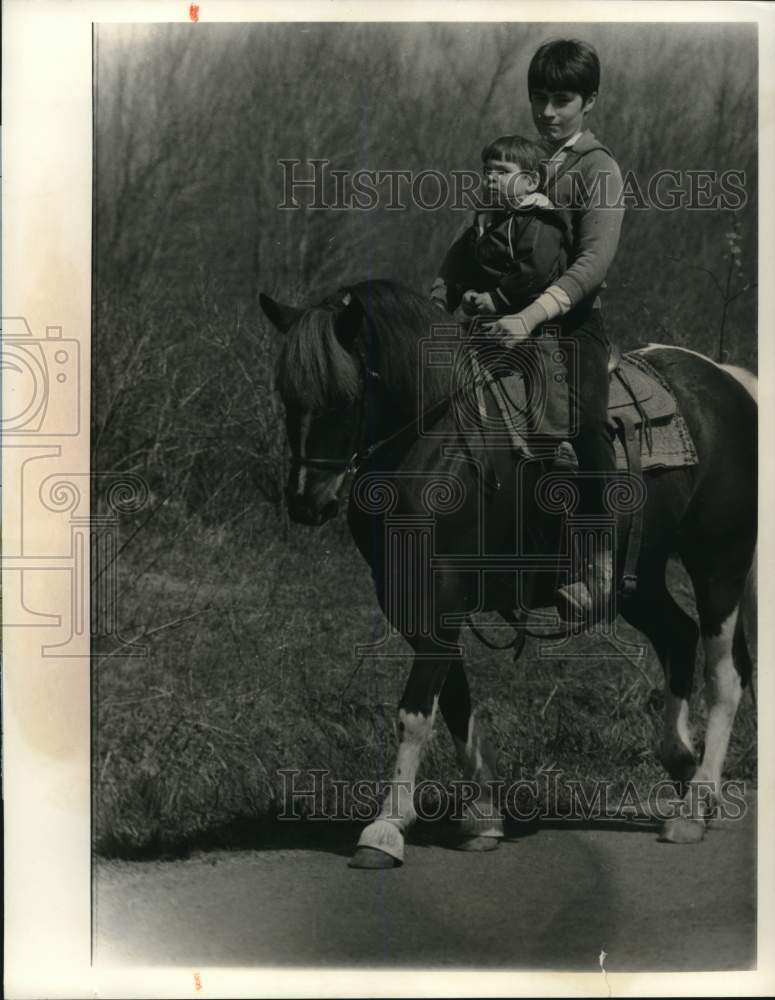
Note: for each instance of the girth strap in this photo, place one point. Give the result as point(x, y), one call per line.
point(634, 520)
point(644, 417)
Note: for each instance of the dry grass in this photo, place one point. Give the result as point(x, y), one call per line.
point(189, 742)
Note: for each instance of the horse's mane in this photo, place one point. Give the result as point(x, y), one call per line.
point(316, 370)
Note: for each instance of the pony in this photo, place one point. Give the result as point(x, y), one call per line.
point(439, 526)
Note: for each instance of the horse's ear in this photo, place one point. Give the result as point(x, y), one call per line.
point(349, 320)
point(283, 317)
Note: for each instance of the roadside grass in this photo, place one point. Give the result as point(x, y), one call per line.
point(252, 670)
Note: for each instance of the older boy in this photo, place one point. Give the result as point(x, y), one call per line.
point(582, 176)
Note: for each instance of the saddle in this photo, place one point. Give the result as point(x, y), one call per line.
point(638, 397)
point(650, 433)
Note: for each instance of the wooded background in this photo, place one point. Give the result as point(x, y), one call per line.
point(190, 123)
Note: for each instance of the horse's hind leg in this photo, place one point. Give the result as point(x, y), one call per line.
point(727, 671)
point(482, 824)
point(674, 636)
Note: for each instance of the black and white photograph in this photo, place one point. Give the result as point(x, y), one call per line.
point(415, 555)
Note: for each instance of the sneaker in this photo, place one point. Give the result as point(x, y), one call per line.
point(585, 602)
point(565, 458)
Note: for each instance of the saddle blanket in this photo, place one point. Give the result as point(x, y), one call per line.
point(671, 446)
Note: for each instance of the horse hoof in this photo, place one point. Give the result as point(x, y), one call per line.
point(478, 844)
point(682, 831)
point(370, 857)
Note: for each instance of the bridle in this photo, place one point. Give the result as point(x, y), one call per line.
point(349, 466)
point(362, 453)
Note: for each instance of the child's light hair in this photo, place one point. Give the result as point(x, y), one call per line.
point(515, 149)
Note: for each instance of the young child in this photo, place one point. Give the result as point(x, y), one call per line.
point(512, 251)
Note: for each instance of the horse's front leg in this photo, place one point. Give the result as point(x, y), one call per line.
point(482, 824)
point(381, 844)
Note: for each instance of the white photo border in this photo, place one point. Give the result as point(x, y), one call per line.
point(46, 279)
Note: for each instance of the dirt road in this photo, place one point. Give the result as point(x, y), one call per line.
point(553, 899)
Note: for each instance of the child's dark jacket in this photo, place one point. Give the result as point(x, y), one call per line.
point(513, 254)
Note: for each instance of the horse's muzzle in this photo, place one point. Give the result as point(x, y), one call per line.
point(304, 512)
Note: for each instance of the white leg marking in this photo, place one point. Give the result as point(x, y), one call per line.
point(415, 729)
point(475, 755)
point(722, 694)
point(477, 760)
point(397, 814)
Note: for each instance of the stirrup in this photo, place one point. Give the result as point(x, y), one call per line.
point(565, 458)
point(577, 607)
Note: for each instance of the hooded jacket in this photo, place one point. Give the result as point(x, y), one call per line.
point(512, 253)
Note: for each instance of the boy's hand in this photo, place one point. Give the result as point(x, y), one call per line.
point(478, 303)
point(510, 330)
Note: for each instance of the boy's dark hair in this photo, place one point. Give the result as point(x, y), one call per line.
point(565, 64)
point(515, 149)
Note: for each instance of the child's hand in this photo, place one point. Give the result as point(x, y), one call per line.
point(478, 303)
point(485, 305)
point(439, 294)
point(468, 302)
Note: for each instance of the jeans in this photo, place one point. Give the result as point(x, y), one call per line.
point(583, 398)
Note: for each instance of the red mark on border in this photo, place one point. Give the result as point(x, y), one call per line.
point(197, 977)
point(193, 11)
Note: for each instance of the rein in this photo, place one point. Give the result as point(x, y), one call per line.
point(360, 455)
point(351, 465)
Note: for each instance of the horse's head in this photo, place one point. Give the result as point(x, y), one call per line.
point(321, 378)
